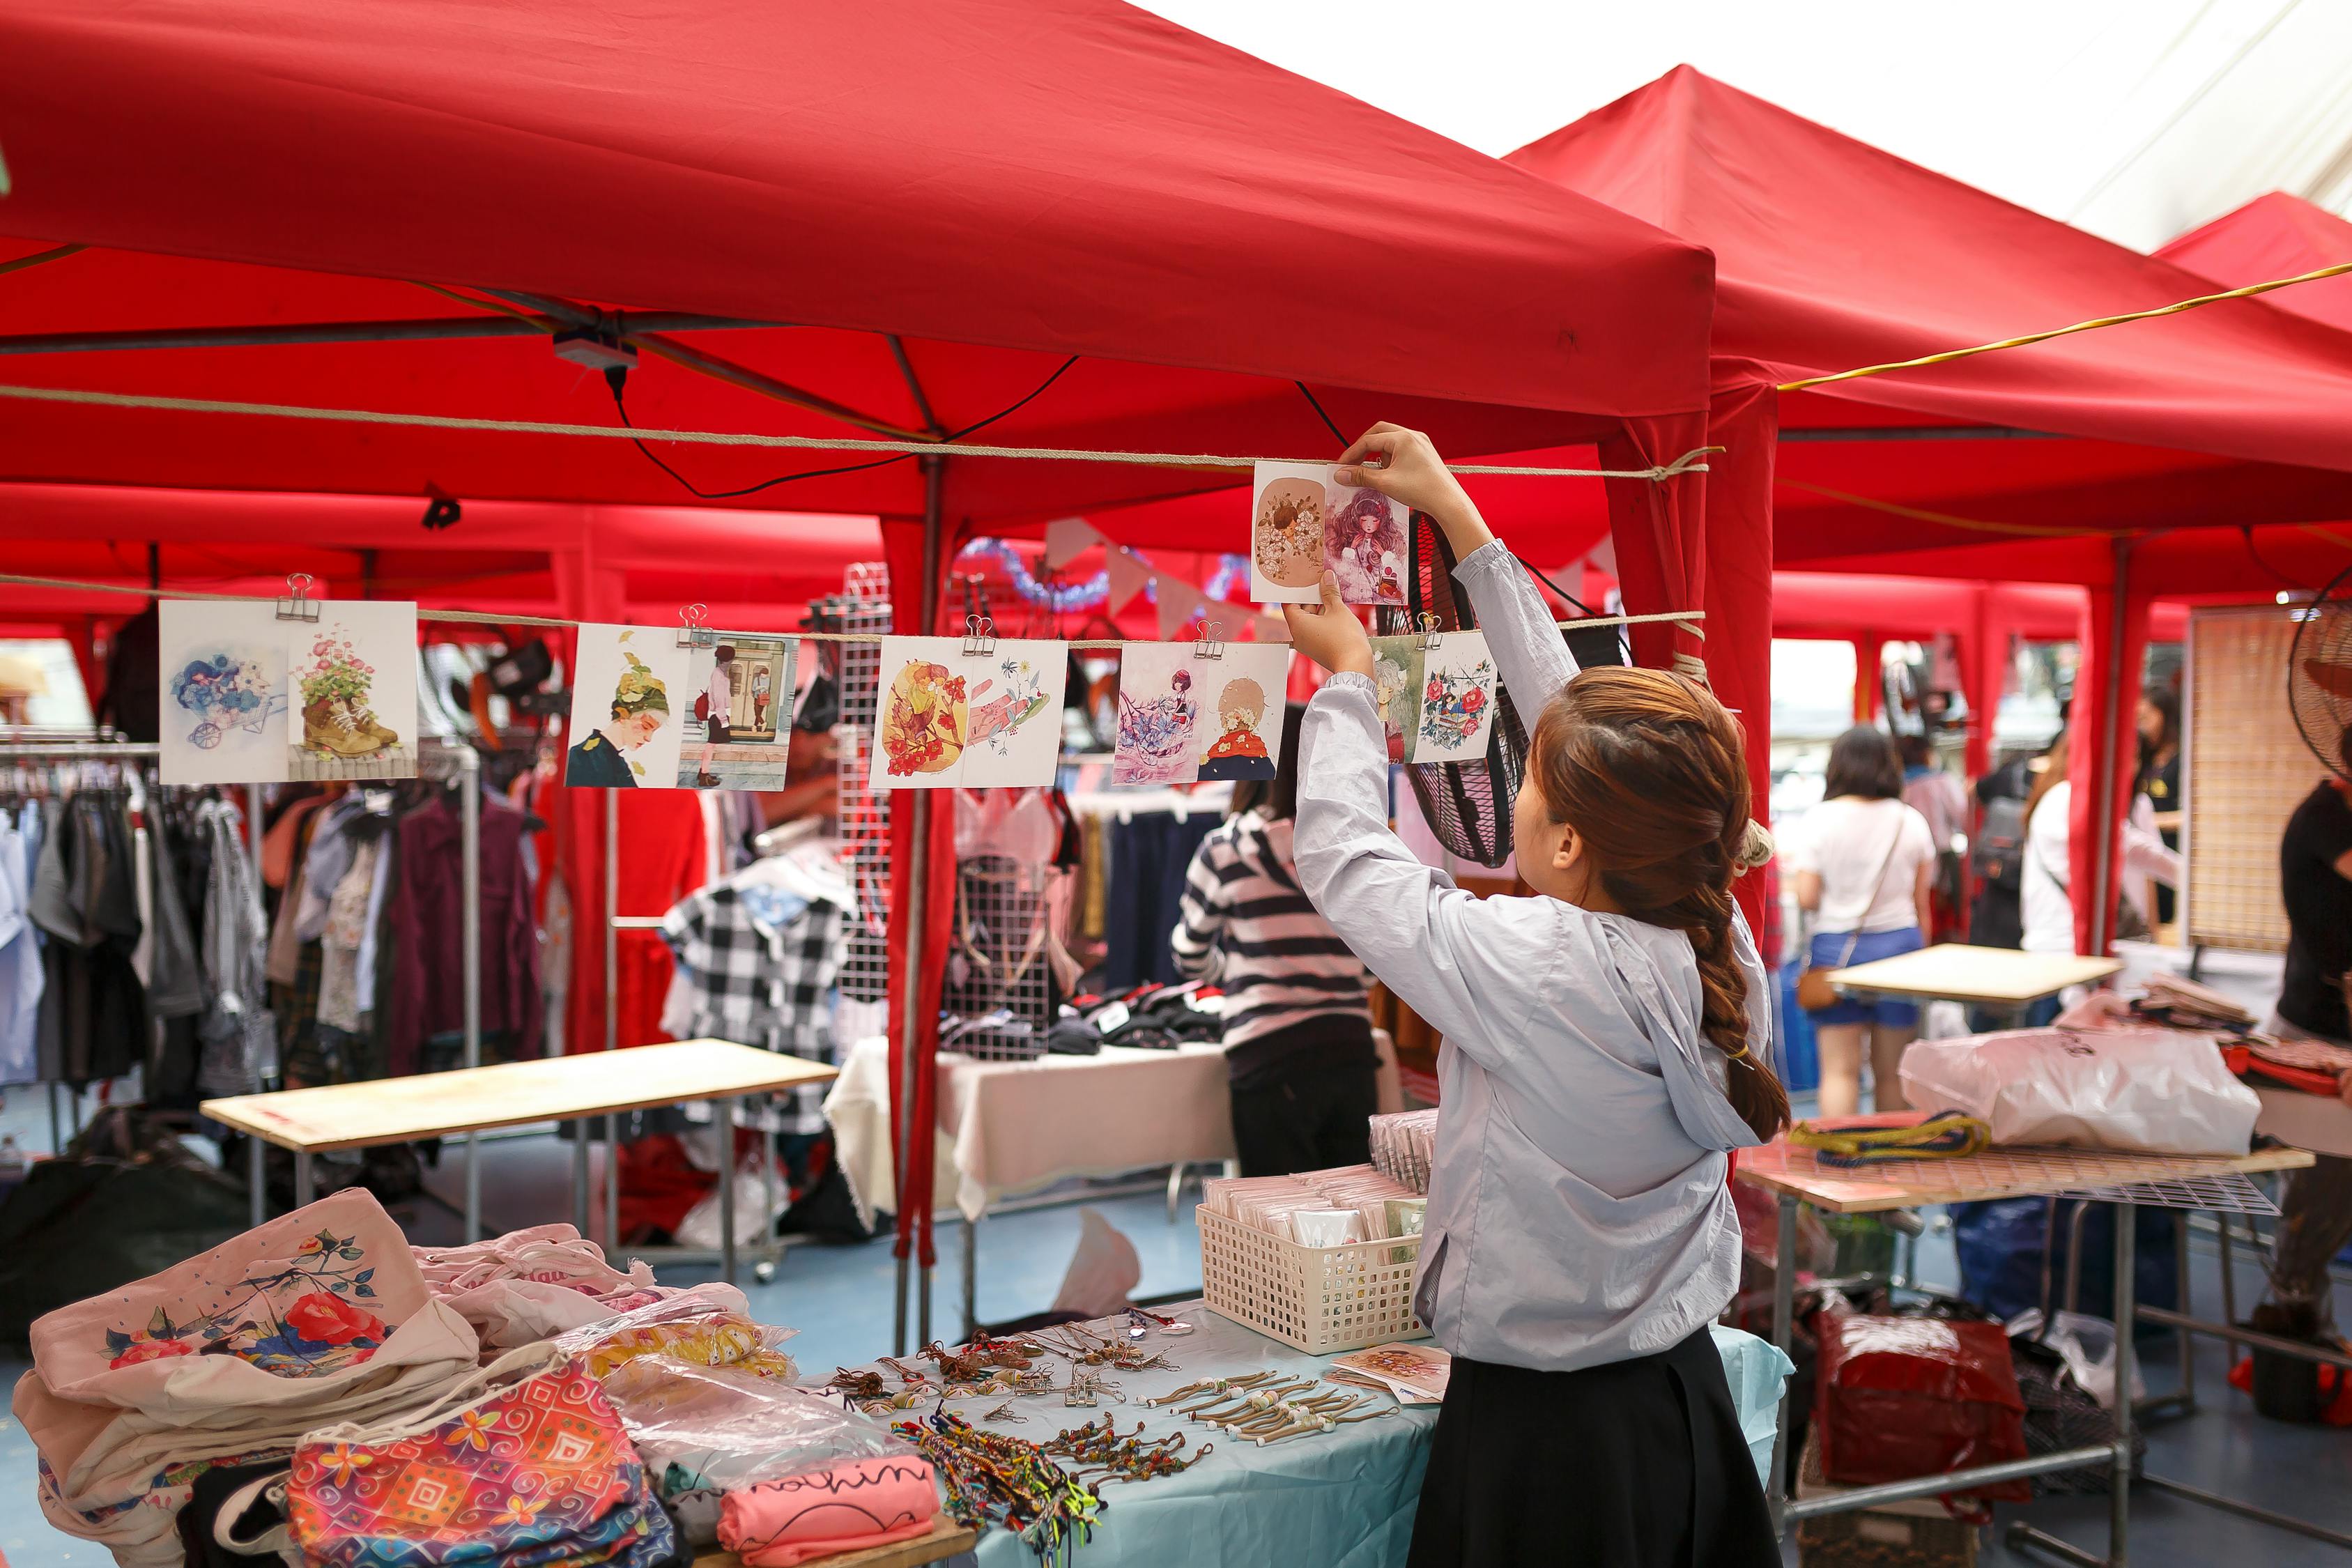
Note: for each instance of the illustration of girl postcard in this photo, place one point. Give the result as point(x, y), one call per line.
point(223, 692)
point(1396, 679)
point(626, 696)
point(1457, 700)
point(1159, 716)
point(354, 699)
point(728, 740)
point(1304, 523)
point(1247, 726)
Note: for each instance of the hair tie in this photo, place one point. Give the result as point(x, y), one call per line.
point(1756, 847)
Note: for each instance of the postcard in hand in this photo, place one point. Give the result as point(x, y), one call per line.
point(1457, 700)
point(1396, 680)
point(979, 720)
point(1241, 697)
point(739, 705)
point(1159, 728)
point(1304, 523)
point(631, 701)
point(225, 690)
point(353, 705)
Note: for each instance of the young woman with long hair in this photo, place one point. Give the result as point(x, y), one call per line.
point(1605, 1049)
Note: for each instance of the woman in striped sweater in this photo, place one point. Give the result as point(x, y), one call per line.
point(1298, 1037)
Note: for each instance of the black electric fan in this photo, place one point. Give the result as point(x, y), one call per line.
point(2319, 674)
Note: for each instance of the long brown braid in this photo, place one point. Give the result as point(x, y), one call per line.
point(1652, 772)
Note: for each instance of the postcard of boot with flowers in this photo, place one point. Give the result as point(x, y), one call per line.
point(353, 709)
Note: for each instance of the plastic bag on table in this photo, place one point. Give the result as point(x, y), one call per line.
point(2153, 1092)
point(706, 1430)
point(710, 1325)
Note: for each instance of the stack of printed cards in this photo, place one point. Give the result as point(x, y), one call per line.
point(1436, 704)
point(1416, 1374)
point(1304, 523)
point(948, 718)
point(1184, 717)
point(249, 698)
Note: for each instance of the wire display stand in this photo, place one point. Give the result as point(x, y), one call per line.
point(864, 609)
point(998, 990)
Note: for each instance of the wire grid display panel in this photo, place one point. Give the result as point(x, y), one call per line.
point(997, 989)
point(1317, 1299)
point(2233, 1192)
point(2247, 771)
point(2161, 1181)
point(864, 816)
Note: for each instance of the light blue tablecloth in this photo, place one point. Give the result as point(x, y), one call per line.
point(1340, 1500)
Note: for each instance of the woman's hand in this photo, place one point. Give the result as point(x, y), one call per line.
point(1402, 464)
point(1331, 635)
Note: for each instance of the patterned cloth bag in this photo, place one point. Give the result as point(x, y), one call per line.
point(523, 1464)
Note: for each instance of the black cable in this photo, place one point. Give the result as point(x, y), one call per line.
point(2246, 530)
point(616, 377)
point(1553, 587)
point(1337, 435)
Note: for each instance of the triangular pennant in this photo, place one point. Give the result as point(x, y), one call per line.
point(1128, 573)
point(1067, 538)
point(1181, 604)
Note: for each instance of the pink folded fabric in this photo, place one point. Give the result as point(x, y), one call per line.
point(848, 1507)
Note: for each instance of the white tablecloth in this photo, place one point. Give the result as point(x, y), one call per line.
point(1006, 1128)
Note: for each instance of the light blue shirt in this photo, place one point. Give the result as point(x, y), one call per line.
point(1577, 1211)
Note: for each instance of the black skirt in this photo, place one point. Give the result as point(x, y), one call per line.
point(1639, 1463)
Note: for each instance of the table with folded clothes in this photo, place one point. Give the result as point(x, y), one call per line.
point(1346, 1495)
point(315, 1392)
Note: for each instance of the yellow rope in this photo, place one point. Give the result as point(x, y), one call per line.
point(2248, 292)
point(1949, 1136)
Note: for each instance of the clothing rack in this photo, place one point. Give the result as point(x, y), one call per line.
point(457, 760)
point(14, 750)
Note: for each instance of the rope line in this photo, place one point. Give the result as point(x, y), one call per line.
point(58, 254)
point(2248, 292)
point(1689, 462)
point(1689, 620)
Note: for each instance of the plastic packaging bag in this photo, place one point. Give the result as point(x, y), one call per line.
point(2087, 1346)
point(2153, 1092)
point(706, 1430)
point(710, 1325)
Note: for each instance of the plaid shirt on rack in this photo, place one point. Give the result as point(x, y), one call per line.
point(761, 967)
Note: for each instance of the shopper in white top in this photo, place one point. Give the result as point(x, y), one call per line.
point(2047, 899)
point(1864, 864)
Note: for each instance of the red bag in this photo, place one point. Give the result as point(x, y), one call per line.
point(1902, 1398)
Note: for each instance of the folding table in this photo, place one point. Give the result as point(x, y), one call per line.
point(2000, 979)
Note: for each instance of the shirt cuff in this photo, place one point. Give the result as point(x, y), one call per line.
point(1488, 557)
point(1352, 680)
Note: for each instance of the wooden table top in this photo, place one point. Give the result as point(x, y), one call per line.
point(1993, 976)
point(511, 1094)
point(2003, 1172)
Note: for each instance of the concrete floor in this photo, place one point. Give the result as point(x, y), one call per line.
point(839, 1298)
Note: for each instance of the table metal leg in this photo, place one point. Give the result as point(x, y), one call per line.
point(1175, 1188)
point(473, 1188)
point(257, 1177)
point(2187, 1341)
point(612, 1179)
point(2229, 1290)
point(970, 1279)
point(301, 1178)
point(723, 1113)
point(1784, 1324)
point(923, 1310)
point(2024, 1536)
point(580, 1176)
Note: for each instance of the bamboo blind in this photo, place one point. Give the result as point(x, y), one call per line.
point(2248, 770)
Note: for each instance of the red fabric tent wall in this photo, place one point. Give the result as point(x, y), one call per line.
point(2275, 235)
point(1832, 255)
point(945, 208)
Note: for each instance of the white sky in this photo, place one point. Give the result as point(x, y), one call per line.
point(2134, 119)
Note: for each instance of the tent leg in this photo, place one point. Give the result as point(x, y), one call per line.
point(2108, 810)
point(912, 1141)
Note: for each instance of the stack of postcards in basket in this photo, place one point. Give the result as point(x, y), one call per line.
point(1319, 1208)
point(1403, 1145)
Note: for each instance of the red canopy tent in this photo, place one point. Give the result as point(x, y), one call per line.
point(2276, 236)
point(2125, 459)
point(1081, 225)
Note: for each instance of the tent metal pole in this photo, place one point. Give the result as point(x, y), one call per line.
point(613, 1014)
point(470, 838)
point(2109, 703)
point(442, 329)
point(913, 914)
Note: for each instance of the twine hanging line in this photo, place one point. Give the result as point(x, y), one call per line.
point(1690, 621)
point(1689, 462)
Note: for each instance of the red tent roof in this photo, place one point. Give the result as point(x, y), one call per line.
point(2276, 236)
point(1832, 254)
point(1004, 187)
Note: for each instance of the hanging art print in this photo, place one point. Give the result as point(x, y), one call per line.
point(630, 702)
point(225, 689)
point(1159, 716)
point(739, 719)
point(978, 719)
point(1184, 718)
point(1241, 700)
point(1396, 682)
point(1304, 523)
point(1457, 700)
point(354, 699)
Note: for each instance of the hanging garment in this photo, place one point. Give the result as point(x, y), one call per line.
point(661, 862)
point(1148, 858)
point(175, 980)
point(240, 1037)
point(93, 1008)
point(21, 979)
point(761, 960)
point(341, 1003)
point(425, 916)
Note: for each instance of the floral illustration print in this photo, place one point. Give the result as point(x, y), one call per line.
point(1454, 705)
point(227, 692)
point(298, 1317)
point(1155, 734)
point(924, 719)
point(998, 712)
point(337, 719)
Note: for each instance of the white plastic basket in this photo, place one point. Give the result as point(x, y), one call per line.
point(1318, 1298)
